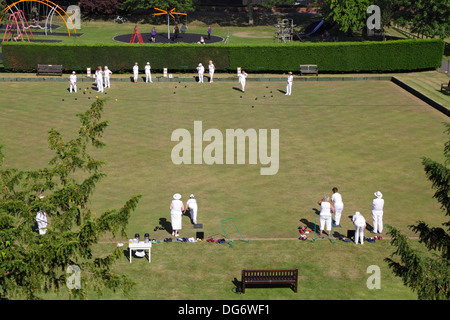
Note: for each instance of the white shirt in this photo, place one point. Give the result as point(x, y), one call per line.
point(377, 204)
point(325, 208)
point(73, 79)
point(136, 69)
point(41, 217)
point(336, 198)
point(211, 68)
point(191, 203)
point(358, 220)
point(201, 69)
point(176, 206)
point(147, 68)
point(107, 73)
point(290, 79)
point(242, 77)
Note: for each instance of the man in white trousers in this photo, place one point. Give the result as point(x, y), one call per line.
point(193, 208)
point(211, 68)
point(148, 73)
point(377, 212)
point(338, 206)
point(242, 78)
point(73, 82)
point(99, 79)
point(290, 80)
point(107, 73)
point(200, 70)
point(135, 72)
point(360, 225)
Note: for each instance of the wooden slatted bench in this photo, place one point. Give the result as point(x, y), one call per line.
point(445, 87)
point(55, 69)
point(309, 68)
point(269, 276)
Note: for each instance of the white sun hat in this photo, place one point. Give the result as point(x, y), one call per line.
point(378, 194)
point(177, 196)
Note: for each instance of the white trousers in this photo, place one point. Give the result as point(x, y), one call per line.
point(73, 87)
point(148, 77)
point(338, 207)
point(359, 233)
point(243, 85)
point(193, 210)
point(135, 76)
point(377, 216)
point(288, 89)
point(325, 221)
point(99, 85)
point(42, 227)
point(107, 83)
point(200, 77)
point(211, 74)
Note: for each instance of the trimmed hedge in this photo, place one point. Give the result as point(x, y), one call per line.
point(335, 57)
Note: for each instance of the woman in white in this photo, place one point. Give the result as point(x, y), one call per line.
point(360, 225)
point(242, 79)
point(107, 73)
point(211, 68)
point(193, 208)
point(377, 212)
point(290, 80)
point(338, 206)
point(73, 82)
point(176, 211)
point(326, 209)
point(99, 79)
point(135, 72)
point(148, 74)
point(201, 70)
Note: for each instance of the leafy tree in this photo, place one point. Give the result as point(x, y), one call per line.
point(180, 5)
point(30, 263)
point(348, 15)
point(427, 17)
point(428, 275)
point(99, 7)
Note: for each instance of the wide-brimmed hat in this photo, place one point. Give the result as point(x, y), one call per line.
point(378, 194)
point(191, 196)
point(177, 196)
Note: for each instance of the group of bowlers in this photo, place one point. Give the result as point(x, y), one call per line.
point(106, 73)
point(327, 208)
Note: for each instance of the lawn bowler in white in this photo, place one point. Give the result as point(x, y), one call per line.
point(73, 82)
point(326, 209)
point(135, 72)
point(377, 212)
point(338, 206)
point(99, 78)
point(107, 73)
point(201, 71)
point(242, 79)
point(148, 73)
point(191, 204)
point(289, 82)
point(211, 68)
point(176, 212)
point(41, 219)
point(360, 225)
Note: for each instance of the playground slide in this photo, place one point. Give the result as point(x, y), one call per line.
point(312, 29)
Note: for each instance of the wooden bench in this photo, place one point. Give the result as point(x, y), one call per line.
point(49, 69)
point(445, 87)
point(309, 68)
point(270, 276)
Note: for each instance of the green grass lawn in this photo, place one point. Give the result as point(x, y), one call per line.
point(361, 136)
